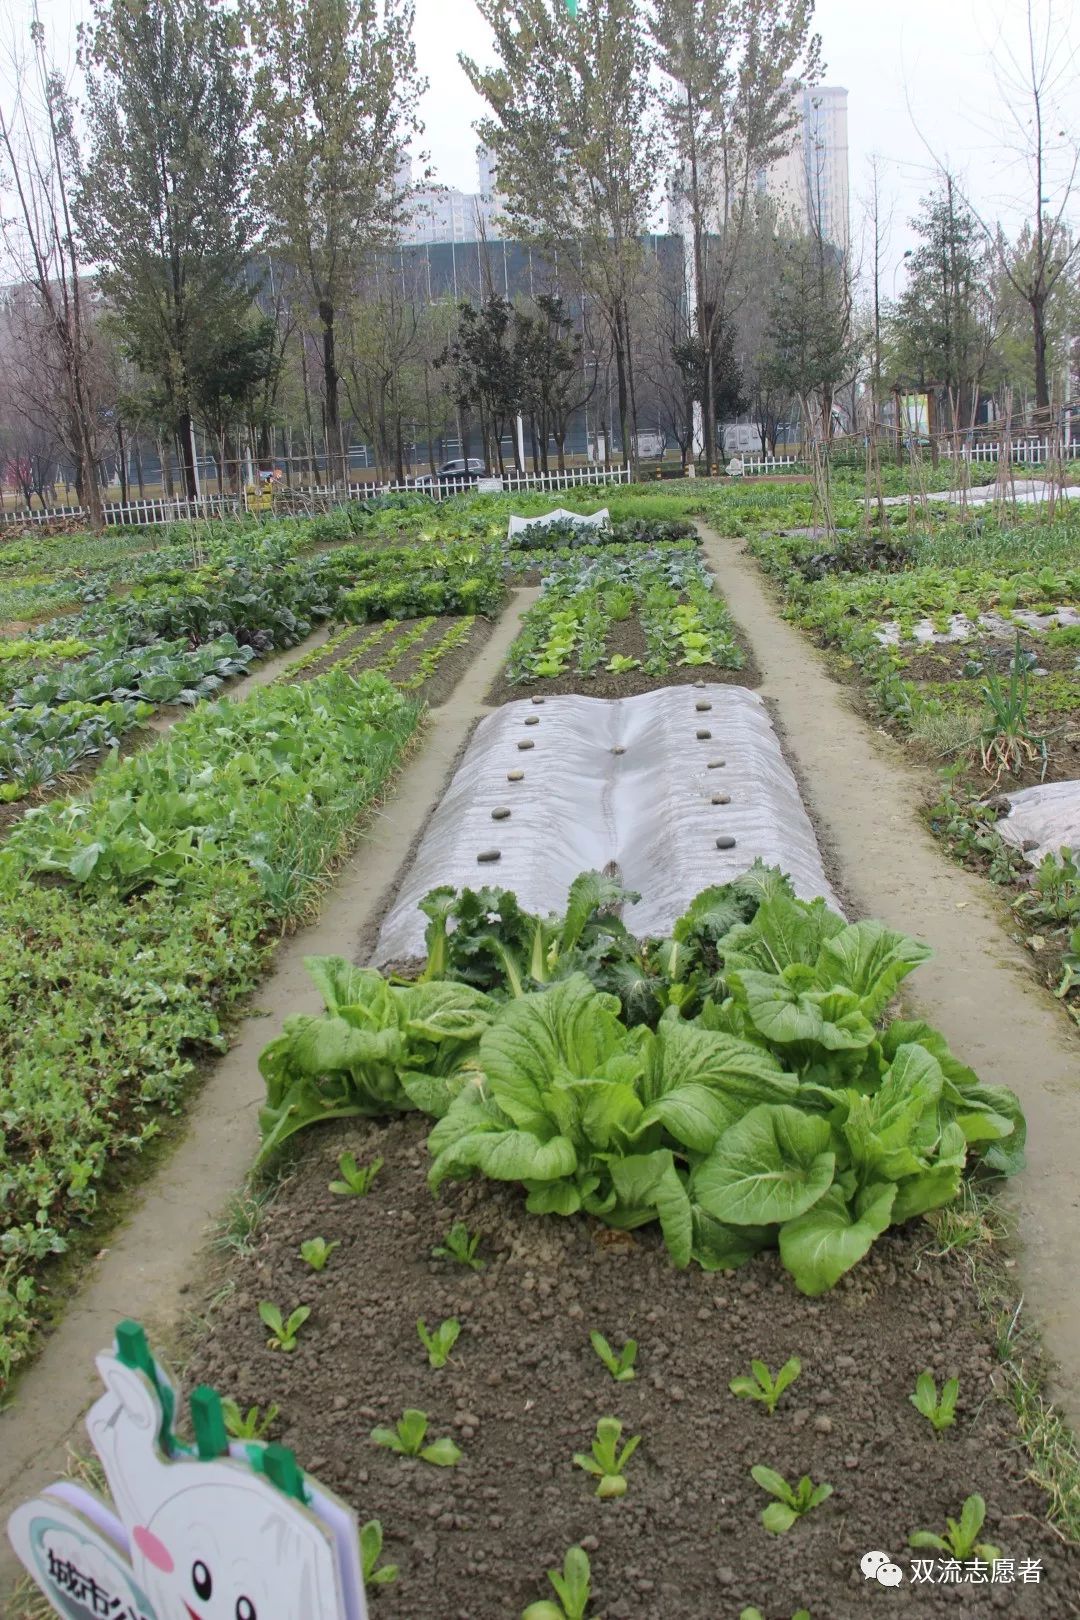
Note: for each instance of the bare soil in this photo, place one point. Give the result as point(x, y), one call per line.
point(523, 1391)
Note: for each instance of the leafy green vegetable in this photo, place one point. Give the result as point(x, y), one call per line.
point(283, 1334)
point(371, 1542)
point(961, 1539)
point(572, 1588)
point(378, 1049)
point(621, 1366)
point(250, 1425)
point(460, 1245)
point(792, 1501)
point(762, 1386)
point(940, 1411)
point(356, 1179)
point(316, 1252)
point(606, 1462)
point(407, 1439)
point(439, 1343)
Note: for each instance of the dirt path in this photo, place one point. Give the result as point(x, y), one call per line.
point(864, 796)
point(150, 1262)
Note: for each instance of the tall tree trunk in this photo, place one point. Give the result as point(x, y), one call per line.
point(334, 459)
point(168, 487)
point(121, 462)
point(185, 434)
point(620, 382)
point(1038, 326)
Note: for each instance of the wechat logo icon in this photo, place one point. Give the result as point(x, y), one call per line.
point(878, 1566)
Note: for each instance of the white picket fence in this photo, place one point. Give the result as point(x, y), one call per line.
point(1025, 452)
point(768, 464)
point(306, 502)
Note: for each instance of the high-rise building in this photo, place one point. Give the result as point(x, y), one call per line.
point(444, 214)
point(811, 181)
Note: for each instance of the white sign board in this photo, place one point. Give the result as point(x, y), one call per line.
point(192, 1531)
point(489, 486)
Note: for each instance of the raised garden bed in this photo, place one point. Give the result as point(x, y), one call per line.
point(523, 1391)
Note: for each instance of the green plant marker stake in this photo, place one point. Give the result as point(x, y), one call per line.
point(282, 1469)
point(133, 1350)
point(208, 1421)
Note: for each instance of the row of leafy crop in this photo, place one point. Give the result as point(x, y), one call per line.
point(133, 917)
point(740, 1082)
point(668, 591)
point(177, 639)
point(565, 534)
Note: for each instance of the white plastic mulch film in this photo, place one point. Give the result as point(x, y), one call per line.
point(593, 520)
point(1048, 817)
point(629, 781)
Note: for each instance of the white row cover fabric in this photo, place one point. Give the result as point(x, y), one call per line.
point(961, 628)
point(591, 520)
point(1048, 814)
point(627, 781)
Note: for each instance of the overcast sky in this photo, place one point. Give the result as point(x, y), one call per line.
point(914, 66)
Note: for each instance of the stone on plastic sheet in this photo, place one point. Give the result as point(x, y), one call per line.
point(1048, 814)
point(649, 811)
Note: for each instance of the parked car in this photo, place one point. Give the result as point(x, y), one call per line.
point(453, 472)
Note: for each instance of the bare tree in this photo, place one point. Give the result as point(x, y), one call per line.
point(1036, 92)
point(36, 147)
point(736, 68)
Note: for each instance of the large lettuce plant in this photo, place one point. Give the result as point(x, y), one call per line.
point(788, 1112)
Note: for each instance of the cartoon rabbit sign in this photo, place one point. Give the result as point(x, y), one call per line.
point(206, 1532)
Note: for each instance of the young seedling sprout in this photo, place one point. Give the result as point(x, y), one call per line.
point(283, 1334)
point(371, 1540)
point(316, 1251)
point(440, 1343)
point(792, 1502)
point(763, 1386)
point(407, 1439)
point(756, 1614)
point(621, 1366)
point(254, 1424)
point(961, 1540)
point(355, 1179)
point(572, 1588)
point(607, 1463)
point(460, 1245)
point(939, 1411)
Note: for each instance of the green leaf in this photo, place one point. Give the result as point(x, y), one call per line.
point(770, 1167)
point(785, 1012)
point(694, 1115)
point(778, 1518)
point(569, 1030)
point(820, 1245)
point(771, 1481)
point(446, 1011)
point(871, 960)
point(441, 1453)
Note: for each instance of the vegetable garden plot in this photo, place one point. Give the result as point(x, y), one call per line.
point(651, 784)
point(132, 920)
point(620, 622)
point(523, 1390)
point(995, 710)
